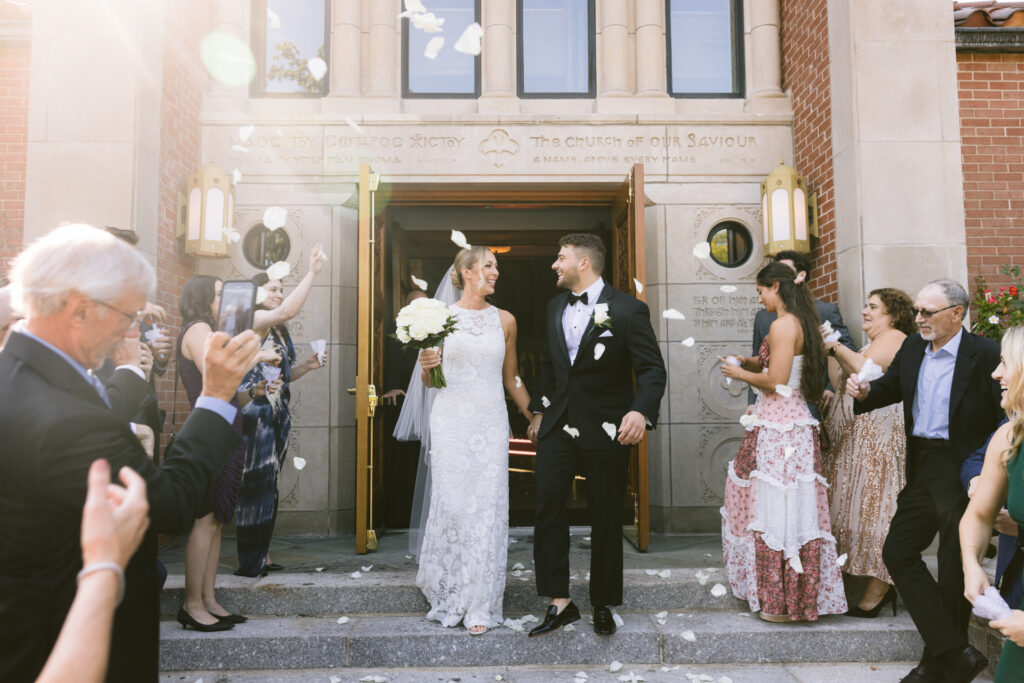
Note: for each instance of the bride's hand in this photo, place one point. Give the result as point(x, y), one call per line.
point(430, 358)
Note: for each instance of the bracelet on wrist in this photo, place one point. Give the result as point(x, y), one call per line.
point(101, 566)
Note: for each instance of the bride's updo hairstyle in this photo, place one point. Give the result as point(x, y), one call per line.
point(797, 300)
point(475, 256)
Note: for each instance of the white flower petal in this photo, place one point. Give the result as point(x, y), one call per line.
point(617, 619)
point(545, 402)
point(279, 270)
point(469, 42)
point(718, 590)
point(784, 390)
point(841, 560)
point(639, 286)
point(689, 637)
point(665, 573)
point(529, 618)
point(672, 314)
point(609, 429)
point(651, 572)
point(498, 677)
point(688, 342)
point(661, 615)
point(245, 132)
point(702, 250)
point(299, 463)
point(662, 621)
point(567, 627)
point(795, 563)
point(319, 569)
point(317, 68)
point(335, 679)
point(518, 565)
point(748, 420)
point(353, 125)
point(994, 320)
point(367, 568)
point(356, 575)
point(460, 239)
point(598, 351)
point(426, 22)
point(728, 289)
point(231, 235)
point(571, 431)
point(343, 620)
point(632, 678)
point(615, 666)
point(433, 47)
point(273, 20)
point(414, 6)
point(240, 148)
point(519, 382)
point(788, 452)
point(236, 176)
point(274, 217)
point(422, 284)
point(581, 674)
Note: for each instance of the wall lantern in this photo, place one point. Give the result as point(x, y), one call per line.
point(206, 212)
point(789, 215)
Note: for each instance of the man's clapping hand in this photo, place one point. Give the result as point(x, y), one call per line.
point(114, 518)
point(225, 362)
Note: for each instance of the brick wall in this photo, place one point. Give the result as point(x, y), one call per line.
point(992, 145)
point(183, 82)
point(805, 75)
point(14, 77)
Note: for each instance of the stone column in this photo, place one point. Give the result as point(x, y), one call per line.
point(765, 61)
point(899, 204)
point(651, 73)
point(613, 49)
point(346, 41)
point(383, 52)
point(498, 56)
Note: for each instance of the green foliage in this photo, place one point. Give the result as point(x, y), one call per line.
point(289, 65)
point(998, 311)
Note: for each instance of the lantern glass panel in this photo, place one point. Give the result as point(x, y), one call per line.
point(781, 217)
point(799, 214)
point(213, 220)
point(195, 212)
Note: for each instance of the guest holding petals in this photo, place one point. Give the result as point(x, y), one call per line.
point(780, 555)
point(866, 463)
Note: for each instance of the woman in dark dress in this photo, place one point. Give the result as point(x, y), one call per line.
point(267, 421)
point(200, 299)
point(1002, 482)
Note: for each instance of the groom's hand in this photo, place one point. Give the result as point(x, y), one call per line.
point(534, 429)
point(632, 429)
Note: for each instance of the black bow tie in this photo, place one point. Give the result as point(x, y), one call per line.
point(573, 298)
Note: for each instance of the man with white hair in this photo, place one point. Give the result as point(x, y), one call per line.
point(943, 376)
point(8, 316)
point(81, 290)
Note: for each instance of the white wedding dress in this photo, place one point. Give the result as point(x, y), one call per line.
point(465, 542)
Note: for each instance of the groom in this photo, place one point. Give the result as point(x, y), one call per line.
point(586, 417)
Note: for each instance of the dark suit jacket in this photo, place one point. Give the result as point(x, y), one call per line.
point(763, 322)
point(592, 391)
point(974, 410)
point(54, 425)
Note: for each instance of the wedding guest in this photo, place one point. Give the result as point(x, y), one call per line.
point(268, 422)
point(81, 290)
point(827, 312)
point(780, 555)
point(114, 521)
point(943, 375)
point(866, 463)
point(1001, 482)
point(200, 299)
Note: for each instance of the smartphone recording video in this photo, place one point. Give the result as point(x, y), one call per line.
point(237, 306)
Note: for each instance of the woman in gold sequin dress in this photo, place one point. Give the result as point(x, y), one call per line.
point(865, 466)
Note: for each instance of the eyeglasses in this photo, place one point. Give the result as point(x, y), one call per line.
point(133, 320)
point(925, 313)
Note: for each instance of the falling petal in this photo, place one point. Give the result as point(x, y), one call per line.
point(279, 270)
point(299, 463)
point(609, 429)
point(460, 239)
point(545, 402)
point(422, 284)
point(273, 20)
point(718, 590)
point(795, 563)
point(567, 627)
point(688, 342)
point(587, 576)
point(343, 620)
point(636, 283)
point(414, 6)
point(353, 125)
point(841, 560)
point(615, 666)
point(665, 573)
point(689, 637)
point(236, 176)
point(598, 351)
point(231, 235)
point(367, 568)
point(245, 132)
point(784, 390)
point(571, 431)
point(469, 42)
point(672, 314)
point(319, 569)
point(433, 47)
point(586, 538)
point(661, 615)
point(356, 575)
point(426, 22)
point(617, 619)
point(274, 217)
point(240, 148)
point(702, 250)
point(317, 68)
point(788, 452)
point(519, 382)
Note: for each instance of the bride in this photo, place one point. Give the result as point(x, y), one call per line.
point(465, 540)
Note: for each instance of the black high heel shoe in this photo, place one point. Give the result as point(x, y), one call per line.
point(186, 621)
point(232, 618)
point(889, 597)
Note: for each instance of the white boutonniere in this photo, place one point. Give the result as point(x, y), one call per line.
point(601, 318)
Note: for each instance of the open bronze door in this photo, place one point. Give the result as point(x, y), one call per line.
point(631, 268)
point(369, 343)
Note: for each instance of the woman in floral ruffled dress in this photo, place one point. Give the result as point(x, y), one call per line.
point(780, 555)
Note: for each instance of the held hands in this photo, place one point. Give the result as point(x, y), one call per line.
point(114, 518)
point(859, 390)
point(1011, 627)
point(225, 362)
point(534, 427)
point(632, 429)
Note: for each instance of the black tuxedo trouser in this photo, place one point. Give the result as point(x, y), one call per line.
point(559, 459)
point(932, 501)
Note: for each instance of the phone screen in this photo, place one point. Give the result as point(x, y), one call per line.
point(237, 305)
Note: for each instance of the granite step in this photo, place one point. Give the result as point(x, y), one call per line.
point(394, 591)
point(687, 637)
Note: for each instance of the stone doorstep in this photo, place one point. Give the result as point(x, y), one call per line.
point(395, 641)
point(389, 592)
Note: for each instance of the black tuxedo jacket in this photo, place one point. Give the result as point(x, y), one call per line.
point(54, 425)
point(592, 391)
point(974, 410)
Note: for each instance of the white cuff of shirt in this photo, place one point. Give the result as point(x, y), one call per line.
point(134, 368)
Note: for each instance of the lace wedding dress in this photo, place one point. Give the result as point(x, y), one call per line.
point(465, 542)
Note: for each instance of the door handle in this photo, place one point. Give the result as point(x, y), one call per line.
point(371, 398)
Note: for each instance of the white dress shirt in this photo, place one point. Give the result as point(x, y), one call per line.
point(576, 317)
point(934, 385)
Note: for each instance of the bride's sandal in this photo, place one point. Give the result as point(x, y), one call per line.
point(477, 630)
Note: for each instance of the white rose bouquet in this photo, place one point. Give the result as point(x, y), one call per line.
point(424, 324)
